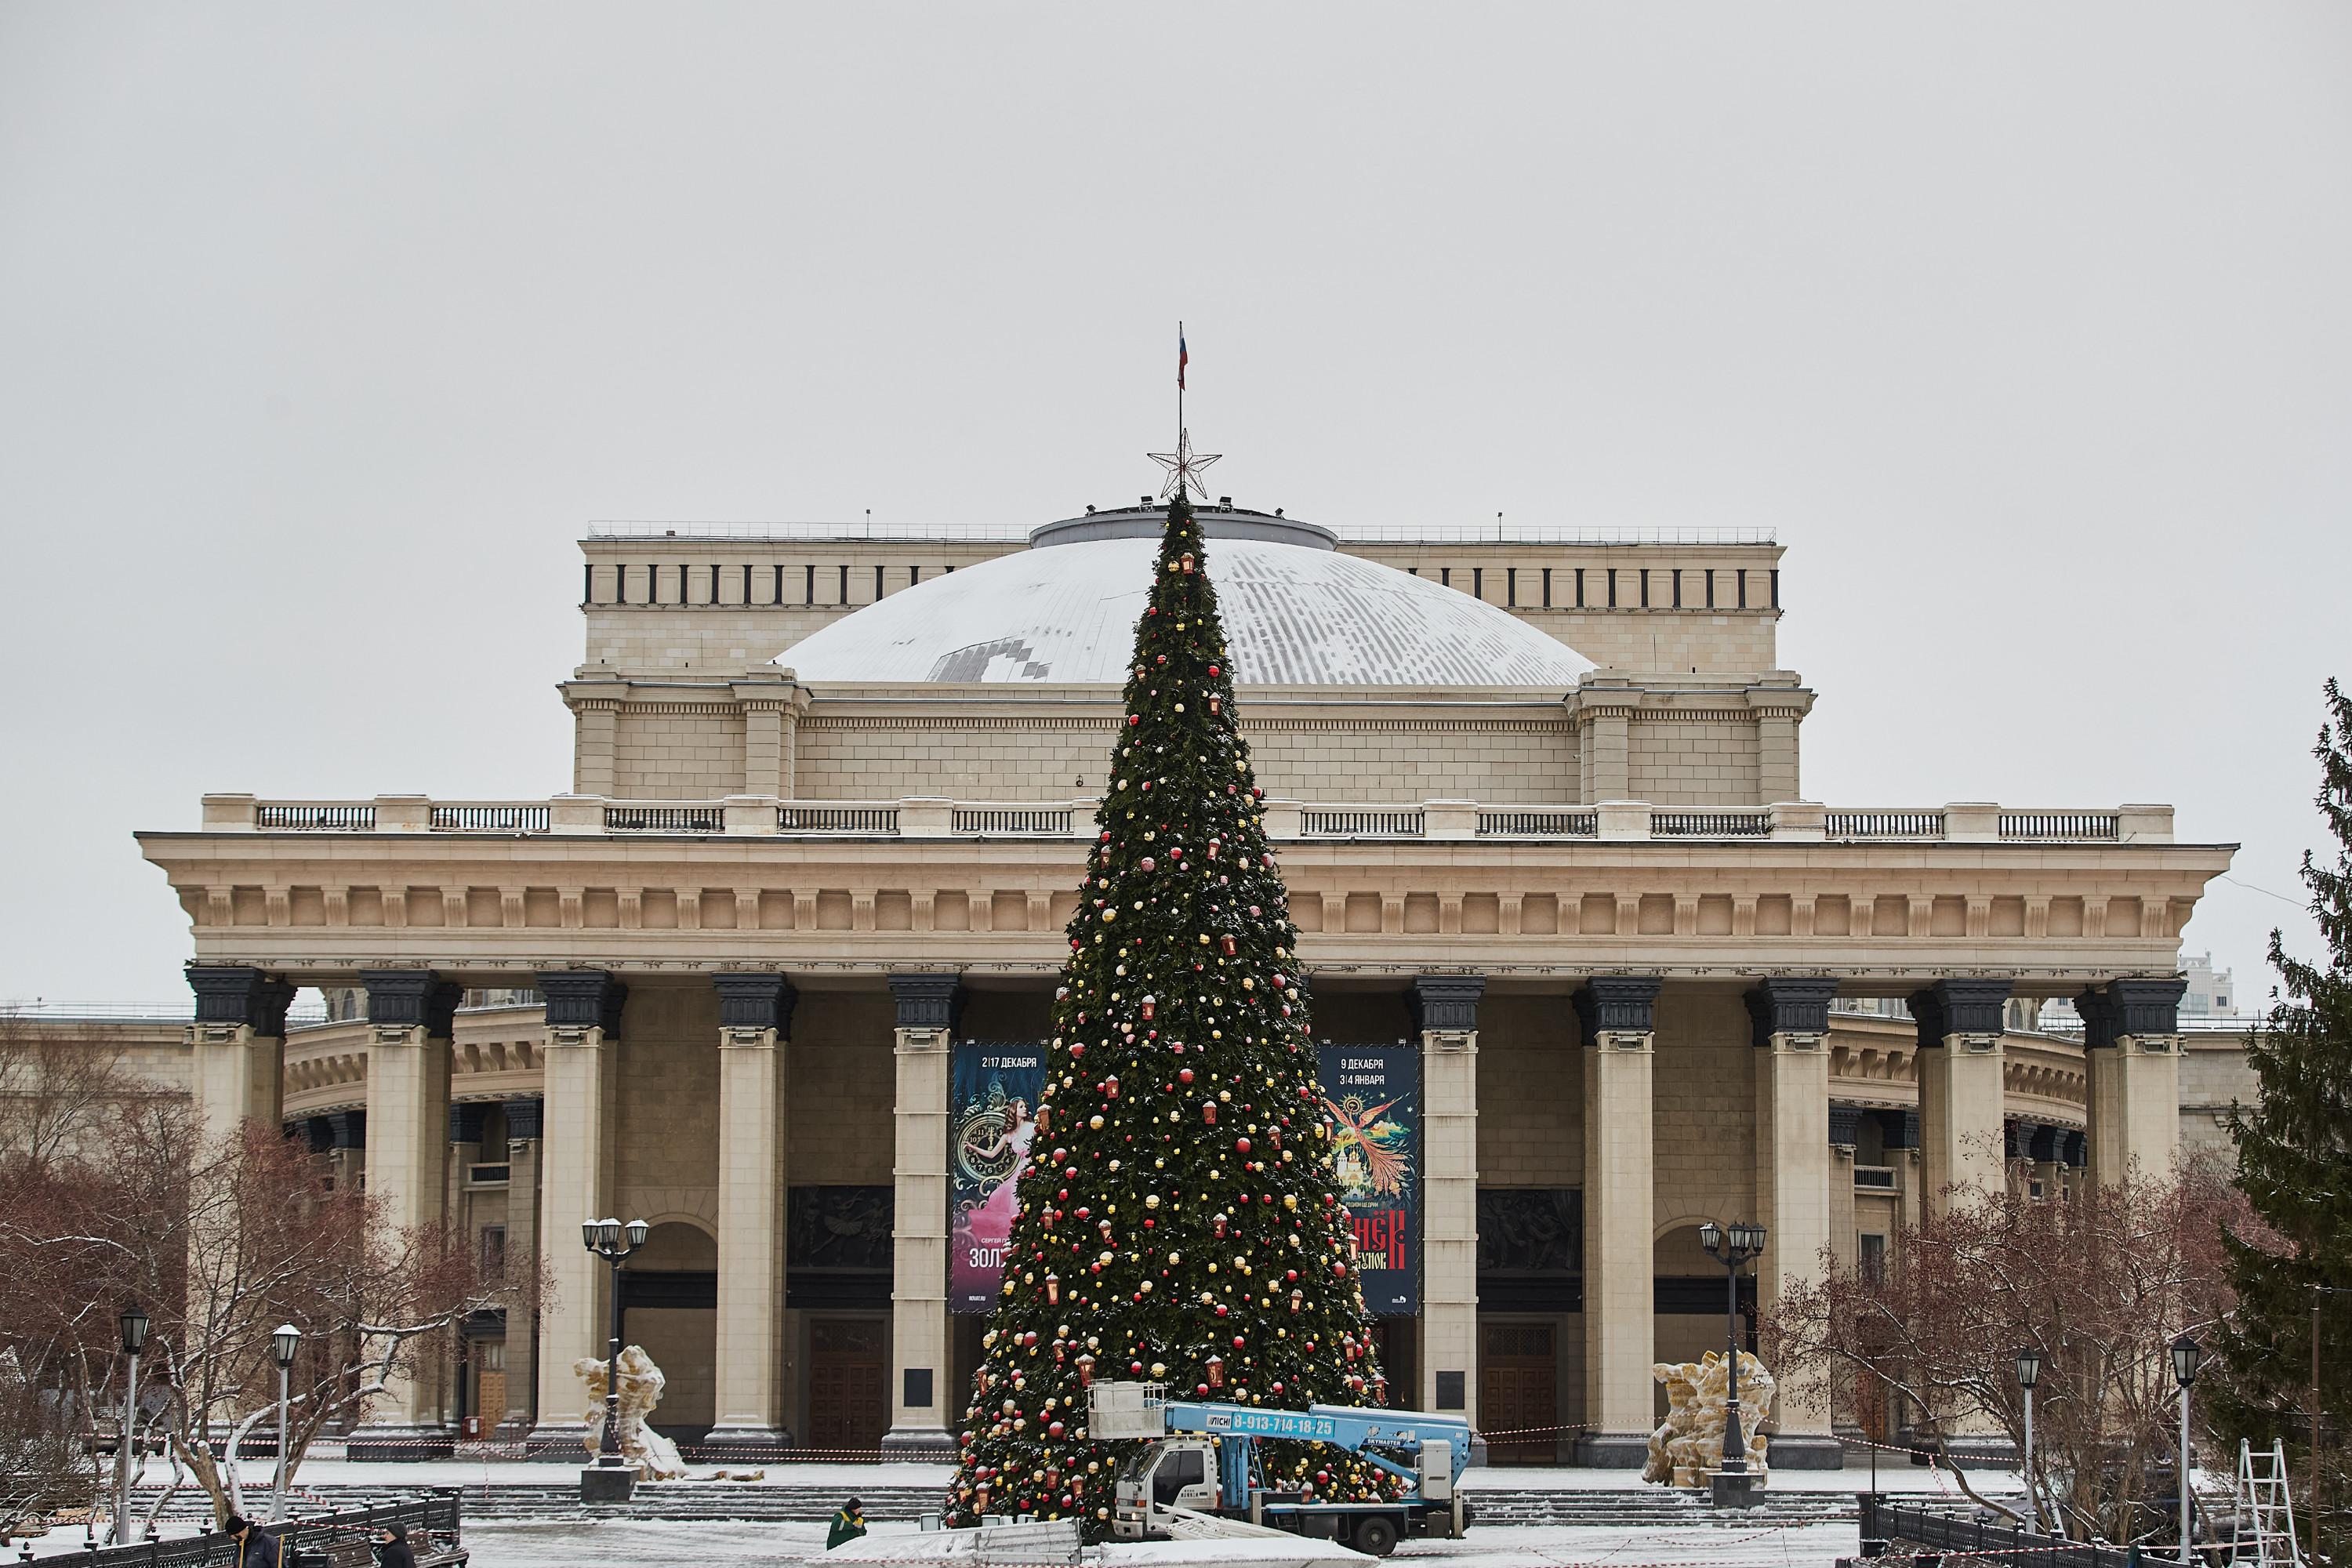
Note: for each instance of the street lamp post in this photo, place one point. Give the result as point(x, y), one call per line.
point(610, 1479)
point(2029, 1373)
point(134, 1326)
point(284, 1342)
point(2186, 1353)
point(1733, 1247)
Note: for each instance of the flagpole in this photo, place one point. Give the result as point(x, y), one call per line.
point(1180, 379)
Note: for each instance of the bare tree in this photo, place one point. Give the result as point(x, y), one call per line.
point(2099, 1283)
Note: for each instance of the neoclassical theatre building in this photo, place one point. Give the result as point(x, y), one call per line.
point(1539, 807)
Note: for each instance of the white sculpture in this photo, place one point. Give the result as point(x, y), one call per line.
point(654, 1457)
point(1689, 1442)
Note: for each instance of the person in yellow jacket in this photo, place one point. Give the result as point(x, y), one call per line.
point(847, 1525)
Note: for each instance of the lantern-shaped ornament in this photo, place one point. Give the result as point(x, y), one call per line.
point(1220, 1223)
point(1188, 564)
point(1228, 945)
point(1216, 704)
point(1053, 1289)
point(1209, 1112)
point(1216, 1372)
point(1297, 1301)
point(1086, 1370)
point(1149, 1007)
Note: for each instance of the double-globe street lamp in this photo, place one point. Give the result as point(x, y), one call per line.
point(609, 1481)
point(134, 1325)
point(283, 1343)
point(2029, 1373)
point(2186, 1356)
point(1733, 1247)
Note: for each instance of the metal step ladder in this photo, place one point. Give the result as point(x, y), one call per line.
point(2265, 1512)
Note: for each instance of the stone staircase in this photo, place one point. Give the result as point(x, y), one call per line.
point(1649, 1508)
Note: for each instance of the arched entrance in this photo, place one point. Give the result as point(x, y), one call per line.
point(669, 1305)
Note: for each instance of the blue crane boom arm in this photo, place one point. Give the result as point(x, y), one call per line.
point(1359, 1431)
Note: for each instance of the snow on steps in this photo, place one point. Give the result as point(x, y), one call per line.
point(1648, 1507)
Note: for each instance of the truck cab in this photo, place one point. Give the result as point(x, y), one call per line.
point(1176, 1472)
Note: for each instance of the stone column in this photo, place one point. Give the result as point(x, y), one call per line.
point(1961, 1092)
point(595, 736)
point(1607, 745)
point(771, 704)
point(522, 1252)
point(584, 1034)
point(918, 1241)
point(1446, 1011)
point(239, 1046)
point(410, 1013)
point(2132, 1049)
point(755, 1020)
point(1794, 1170)
point(1619, 1207)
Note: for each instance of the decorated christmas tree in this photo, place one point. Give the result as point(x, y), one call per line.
point(1179, 1221)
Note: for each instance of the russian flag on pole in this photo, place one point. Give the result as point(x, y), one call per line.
point(1182, 359)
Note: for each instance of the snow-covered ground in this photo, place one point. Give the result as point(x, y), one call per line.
point(552, 1545)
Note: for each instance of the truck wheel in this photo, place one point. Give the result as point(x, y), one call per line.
point(1376, 1536)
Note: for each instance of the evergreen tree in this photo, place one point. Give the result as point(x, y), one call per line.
point(2294, 1162)
point(1179, 1221)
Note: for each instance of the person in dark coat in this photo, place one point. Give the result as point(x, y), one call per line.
point(393, 1550)
point(847, 1525)
point(256, 1547)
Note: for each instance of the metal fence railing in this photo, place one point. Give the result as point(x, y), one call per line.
point(1538, 824)
point(878, 819)
point(316, 818)
point(1883, 824)
point(1710, 823)
point(664, 818)
point(315, 1542)
point(1984, 1541)
point(2093, 825)
point(489, 818)
point(1362, 823)
point(1013, 821)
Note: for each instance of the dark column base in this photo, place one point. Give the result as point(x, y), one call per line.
point(922, 1443)
point(401, 1445)
point(599, 1484)
point(722, 1444)
point(1729, 1489)
point(1806, 1451)
point(1614, 1450)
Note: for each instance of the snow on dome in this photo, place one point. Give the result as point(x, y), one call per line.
point(1294, 616)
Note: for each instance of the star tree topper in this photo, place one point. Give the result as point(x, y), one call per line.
point(1183, 466)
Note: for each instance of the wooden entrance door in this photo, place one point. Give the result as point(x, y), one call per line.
point(1518, 1372)
point(849, 1383)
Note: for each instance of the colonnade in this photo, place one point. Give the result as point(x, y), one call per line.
point(238, 1038)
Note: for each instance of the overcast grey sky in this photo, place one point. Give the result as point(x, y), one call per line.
point(324, 329)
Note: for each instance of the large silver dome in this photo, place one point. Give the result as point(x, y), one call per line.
point(1295, 615)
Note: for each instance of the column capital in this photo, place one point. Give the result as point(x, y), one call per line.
point(1791, 1005)
point(347, 1129)
point(524, 1118)
point(760, 1001)
point(583, 999)
point(1961, 1007)
point(928, 1001)
point(411, 999)
point(2128, 1008)
point(1617, 1004)
point(233, 996)
point(1446, 1002)
point(1845, 1126)
point(466, 1120)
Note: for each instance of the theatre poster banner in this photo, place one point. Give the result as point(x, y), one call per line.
point(1373, 1096)
point(991, 1118)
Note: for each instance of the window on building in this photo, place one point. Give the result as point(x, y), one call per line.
point(1710, 587)
point(844, 582)
point(1477, 581)
point(1874, 1259)
point(1645, 587)
point(1579, 587)
point(808, 593)
point(588, 583)
point(1511, 586)
point(494, 1252)
point(746, 581)
point(714, 582)
point(1445, 576)
point(1546, 587)
point(1612, 588)
point(878, 582)
point(1678, 587)
point(777, 595)
point(1776, 587)
point(914, 575)
point(1740, 577)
